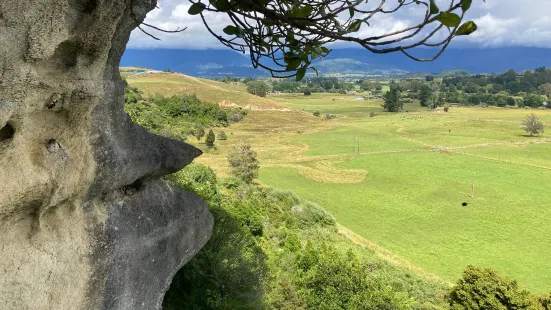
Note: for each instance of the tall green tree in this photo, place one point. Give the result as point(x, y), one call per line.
point(425, 93)
point(392, 100)
point(545, 89)
point(258, 88)
point(533, 100)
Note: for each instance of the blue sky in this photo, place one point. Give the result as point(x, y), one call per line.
point(501, 23)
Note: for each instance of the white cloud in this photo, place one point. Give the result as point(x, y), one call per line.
point(501, 23)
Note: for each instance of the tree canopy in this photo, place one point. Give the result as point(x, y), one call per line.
point(286, 36)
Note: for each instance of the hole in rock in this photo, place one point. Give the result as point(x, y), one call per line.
point(87, 7)
point(66, 54)
point(6, 133)
point(132, 188)
point(53, 146)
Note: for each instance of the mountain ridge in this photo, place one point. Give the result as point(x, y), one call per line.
point(219, 63)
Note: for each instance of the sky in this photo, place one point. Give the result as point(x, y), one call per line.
point(501, 23)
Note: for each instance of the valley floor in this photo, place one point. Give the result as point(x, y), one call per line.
point(399, 180)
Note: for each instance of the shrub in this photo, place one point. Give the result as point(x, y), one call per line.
point(330, 116)
point(307, 92)
point(236, 117)
point(310, 214)
point(209, 141)
point(446, 109)
point(221, 136)
point(199, 132)
point(196, 178)
point(285, 197)
point(316, 113)
point(483, 288)
point(243, 162)
point(372, 114)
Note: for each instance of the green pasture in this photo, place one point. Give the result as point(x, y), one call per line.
point(420, 167)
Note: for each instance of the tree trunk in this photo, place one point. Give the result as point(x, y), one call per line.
point(85, 220)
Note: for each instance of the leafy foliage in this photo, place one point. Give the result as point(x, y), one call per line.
point(221, 136)
point(258, 88)
point(425, 94)
point(270, 250)
point(285, 37)
point(532, 125)
point(209, 141)
point(175, 117)
point(243, 162)
point(482, 288)
point(392, 101)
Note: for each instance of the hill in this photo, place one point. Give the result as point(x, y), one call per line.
point(225, 95)
point(220, 63)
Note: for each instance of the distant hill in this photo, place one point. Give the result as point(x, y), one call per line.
point(219, 63)
point(225, 95)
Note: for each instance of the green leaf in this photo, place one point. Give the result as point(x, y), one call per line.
point(196, 8)
point(231, 30)
point(221, 5)
point(293, 64)
point(466, 5)
point(354, 26)
point(449, 19)
point(466, 29)
point(433, 7)
point(302, 12)
point(300, 74)
point(350, 9)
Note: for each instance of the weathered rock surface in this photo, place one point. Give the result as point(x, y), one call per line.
point(85, 221)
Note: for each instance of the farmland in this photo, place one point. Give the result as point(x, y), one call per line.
point(399, 179)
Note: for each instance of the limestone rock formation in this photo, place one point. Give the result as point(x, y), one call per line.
point(85, 220)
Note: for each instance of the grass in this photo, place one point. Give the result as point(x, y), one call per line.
point(403, 191)
point(207, 90)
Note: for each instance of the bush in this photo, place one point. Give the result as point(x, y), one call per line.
point(221, 136)
point(372, 114)
point(209, 141)
point(482, 288)
point(307, 92)
point(310, 214)
point(316, 113)
point(236, 117)
point(243, 162)
point(330, 116)
point(446, 109)
point(287, 198)
point(199, 132)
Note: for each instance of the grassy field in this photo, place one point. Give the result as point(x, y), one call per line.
point(404, 190)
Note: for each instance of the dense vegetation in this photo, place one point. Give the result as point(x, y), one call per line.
point(177, 117)
point(272, 250)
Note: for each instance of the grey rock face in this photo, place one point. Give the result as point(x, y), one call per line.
point(85, 221)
